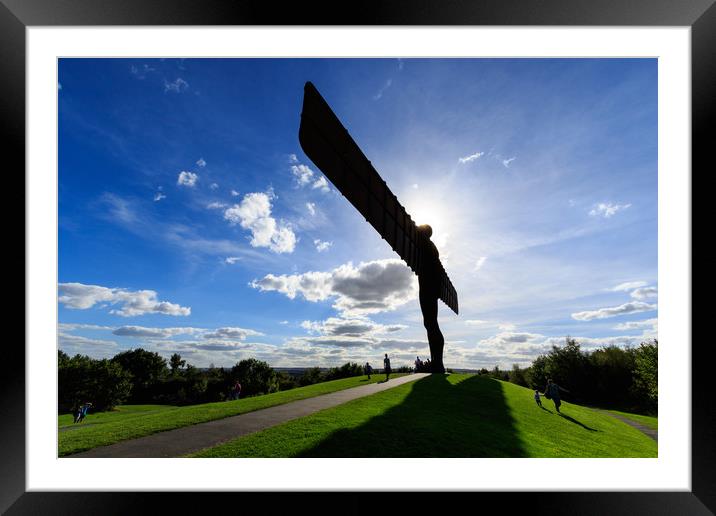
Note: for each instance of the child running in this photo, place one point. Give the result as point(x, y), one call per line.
point(537, 399)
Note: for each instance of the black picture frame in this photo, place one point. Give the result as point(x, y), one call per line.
point(17, 15)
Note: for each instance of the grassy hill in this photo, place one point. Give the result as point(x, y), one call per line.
point(457, 415)
point(132, 421)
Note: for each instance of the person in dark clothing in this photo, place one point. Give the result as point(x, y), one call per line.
point(368, 369)
point(429, 276)
point(552, 392)
point(386, 366)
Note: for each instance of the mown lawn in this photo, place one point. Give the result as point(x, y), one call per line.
point(132, 421)
point(457, 415)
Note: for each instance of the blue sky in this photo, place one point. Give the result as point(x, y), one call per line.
point(190, 221)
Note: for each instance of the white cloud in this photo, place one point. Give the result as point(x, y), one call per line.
point(176, 86)
point(81, 297)
point(232, 333)
point(302, 174)
point(292, 158)
point(351, 327)
point(321, 184)
point(231, 260)
point(371, 287)
point(479, 263)
point(159, 196)
point(607, 210)
point(254, 213)
point(213, 186)
point(415, 186)
point(201, 162)
point(322, 246)
point(506, 326)
point(311, 206)
point(645, 293)
point(471, 157)
point(602, 313)
point(187, 179)
point(234, 193)
point(476, 322)
point(216, 205)
point(629, 285)
point(506, 162)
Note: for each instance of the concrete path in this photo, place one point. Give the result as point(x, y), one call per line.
point(654, 434)
point(189, 439)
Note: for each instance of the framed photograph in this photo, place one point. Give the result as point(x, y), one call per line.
point(267, 180)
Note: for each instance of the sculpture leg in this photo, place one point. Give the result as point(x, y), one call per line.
point(429, 307)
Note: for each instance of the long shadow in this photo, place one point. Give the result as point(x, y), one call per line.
point(436, 419)
point(546, 409)
point(571, 419)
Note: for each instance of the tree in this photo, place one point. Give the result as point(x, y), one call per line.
point(646, 373)
point(176, 363)
point(147, 369)
point(256, 377)
point(102, 382)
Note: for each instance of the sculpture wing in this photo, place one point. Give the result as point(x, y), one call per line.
point(327, 143)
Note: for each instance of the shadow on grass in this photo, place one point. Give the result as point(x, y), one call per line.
point(437, 419)
point(546, 409)
point(572, 420)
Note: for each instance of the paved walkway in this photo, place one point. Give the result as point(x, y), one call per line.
point(189, 439)
point(654, 434)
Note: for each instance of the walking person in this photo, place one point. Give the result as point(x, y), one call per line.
point(552, 392)
point(386, 367)
point(537, 399)
point(368, 369)
point(237, 390)
point(83, 412)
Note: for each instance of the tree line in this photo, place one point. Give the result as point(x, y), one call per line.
point(138, 376)
point(613, 377)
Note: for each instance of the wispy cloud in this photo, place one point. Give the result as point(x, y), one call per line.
point(607, 210)
point(322, 246)
point(200, 162)
point(177, 86)
point(471, 157)
point(506, 162)
point(383, 89)
point(479, 263)
point(159, 196)
point(602, 313)
point(629, 285)
point(231, 260)
point(311, 207)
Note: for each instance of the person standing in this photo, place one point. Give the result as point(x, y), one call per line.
point(237, 390)
point(386, 366)
point(537, 399)
point(368, 369)
point(552, 391)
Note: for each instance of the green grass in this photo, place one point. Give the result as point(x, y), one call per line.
point(120, 413)
point(446, 416)
point(132, 421)
point(648, 421)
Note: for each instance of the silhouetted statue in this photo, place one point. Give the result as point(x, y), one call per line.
point(327, 143)
point(429, 282)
